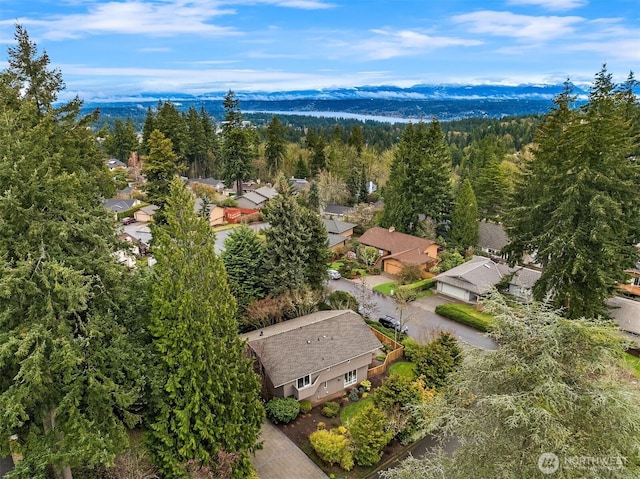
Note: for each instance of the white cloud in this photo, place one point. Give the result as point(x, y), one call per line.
point(522, 27)
point(138, 17)
point(389, 43)
point(302, 4)
point(553, 5)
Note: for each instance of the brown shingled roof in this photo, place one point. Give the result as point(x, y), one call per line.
point(308, 344)
point(393, 241)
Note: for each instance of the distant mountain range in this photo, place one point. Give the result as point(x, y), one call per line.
point(447, 102)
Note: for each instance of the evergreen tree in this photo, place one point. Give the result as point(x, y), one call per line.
point(147, 128)
point(576, 207)
point(160, 168)
point(464, 218)
point(369, 434)
point(287, 241)
point(301, 169)
point(318, 158)
point(236, 148)
point(243, 258)
point(210, 395)
point(356, 139)
point(314, 197)
point(553, 386)
point(122, 140)
point(492, 186)
point(316, 248)
point(173, 126)
point(275, 147)
point(196, 145)
point(419, 181)
point(69, 371)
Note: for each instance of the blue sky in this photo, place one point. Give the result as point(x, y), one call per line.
point(109, 47)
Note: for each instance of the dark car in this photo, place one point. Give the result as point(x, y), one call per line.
point(128, 220)
point(392, 323)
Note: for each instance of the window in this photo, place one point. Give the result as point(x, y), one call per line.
point(350, 378)
point(304, 381)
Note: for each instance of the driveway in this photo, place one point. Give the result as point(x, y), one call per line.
point(281, 458)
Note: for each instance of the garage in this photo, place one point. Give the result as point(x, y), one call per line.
point(454, 291)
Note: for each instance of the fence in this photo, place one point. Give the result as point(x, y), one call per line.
point(396, 353)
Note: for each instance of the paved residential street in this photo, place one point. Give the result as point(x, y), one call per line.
point(422, 321)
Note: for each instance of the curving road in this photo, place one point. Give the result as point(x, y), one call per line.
point(419, 315)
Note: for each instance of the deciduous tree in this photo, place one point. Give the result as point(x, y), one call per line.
point(554, 386)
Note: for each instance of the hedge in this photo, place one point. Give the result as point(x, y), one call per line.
point(421, 285)
point(461, 314)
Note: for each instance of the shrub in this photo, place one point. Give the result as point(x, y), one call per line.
point(305, 406)
point(330, 409)
point(353, 395)
point(421, 285)
point(369, 435)
point(342, 300)
point(410, 273)
point(410, 347)
point(453, 311)
point(321, 426)
point(282, 410)
point(366, 385)
point(267, 311)
point(332, 447)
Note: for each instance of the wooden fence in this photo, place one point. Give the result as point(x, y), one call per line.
point(397, 351)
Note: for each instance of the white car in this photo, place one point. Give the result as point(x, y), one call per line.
point(333, 274)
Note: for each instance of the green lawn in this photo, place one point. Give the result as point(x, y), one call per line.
point(403, 368)
point(385, 288)
point(352, 409)
point(633, 364)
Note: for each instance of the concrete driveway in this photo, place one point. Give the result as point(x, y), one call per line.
point(280, 458)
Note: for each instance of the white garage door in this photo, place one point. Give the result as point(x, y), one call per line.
point(454, 291)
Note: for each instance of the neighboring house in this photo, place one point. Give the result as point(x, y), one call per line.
point(216, 217)
point(128, 256)
point(124, 193)
point(256, 199)
point(473, 279)
point(337, 241)
point(399, 249)
point(145, 214)
point(115, 164)
point(337, 227)
point(218, 185)
point(492, 237)
point(141, 233)
point(336, 212)
point(626, 312)
point(300, 184)
point(314, 357)
point(632, 287)
point(119, 205)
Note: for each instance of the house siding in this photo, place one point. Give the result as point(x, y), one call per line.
point(334, 377)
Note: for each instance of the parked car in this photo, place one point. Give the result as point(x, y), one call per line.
point(392, 323)
point(128, 220)
point(333, 274)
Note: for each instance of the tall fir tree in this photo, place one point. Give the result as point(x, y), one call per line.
point(420, 179)
point(122, 140)
point(286, 241)
point(69, 372)
point(160, 168)
point(243, 258)
point(236, 147)
point(275, 147)
point(317, 248)
point(209, 405)
point(576, 207)
point(464, 218)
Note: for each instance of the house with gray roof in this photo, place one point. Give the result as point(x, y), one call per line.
point(492, 237)
point(626, 313)
point(334, 211)
point(314, 357)
point(256, 199)
point(475, 278)
point(212, 182)
point(339, 227)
